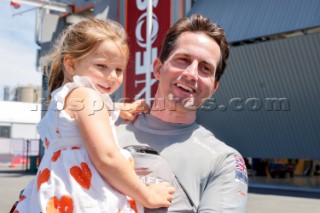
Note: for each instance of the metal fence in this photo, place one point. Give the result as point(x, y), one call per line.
point(19, 151)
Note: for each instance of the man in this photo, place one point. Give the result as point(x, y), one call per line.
point(192, 60)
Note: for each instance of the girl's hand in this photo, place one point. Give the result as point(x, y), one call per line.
point(161, 195)
point(129, 111)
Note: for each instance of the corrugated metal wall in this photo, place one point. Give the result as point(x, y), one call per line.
point(241, 114)
point(247, 19)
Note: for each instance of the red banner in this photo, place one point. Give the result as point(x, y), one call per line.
point(135, 24)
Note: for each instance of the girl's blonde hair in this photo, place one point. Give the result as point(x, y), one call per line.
point(77, 41)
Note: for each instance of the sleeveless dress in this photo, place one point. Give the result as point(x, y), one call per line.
point(67, 181)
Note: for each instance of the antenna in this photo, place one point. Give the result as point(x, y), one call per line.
point(51, 5)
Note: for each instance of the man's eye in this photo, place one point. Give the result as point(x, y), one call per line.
point(119, 70)
point(102, 66)
point(183, 60)
point(205, 69)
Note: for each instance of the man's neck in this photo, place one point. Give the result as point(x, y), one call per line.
point(174, 116)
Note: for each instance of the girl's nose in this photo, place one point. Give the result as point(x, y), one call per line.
point(112, 75)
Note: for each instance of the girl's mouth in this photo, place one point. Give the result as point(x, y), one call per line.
point(104, 88)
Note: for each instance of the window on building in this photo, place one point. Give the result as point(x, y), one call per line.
point(5, 131)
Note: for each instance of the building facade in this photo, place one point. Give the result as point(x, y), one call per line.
point(266, 106)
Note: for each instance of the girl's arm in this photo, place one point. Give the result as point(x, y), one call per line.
point(129, 111)
point(93, 121)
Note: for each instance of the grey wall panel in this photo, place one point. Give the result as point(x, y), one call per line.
point(247, 19)
point(288, 69)
point(106, 9)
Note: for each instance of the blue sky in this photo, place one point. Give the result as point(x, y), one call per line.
point(18, 48)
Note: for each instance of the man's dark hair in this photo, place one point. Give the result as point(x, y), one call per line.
point(197, 23)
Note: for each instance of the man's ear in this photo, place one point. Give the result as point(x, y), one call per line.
point(157, 64)
point(215, 87)
point(69, 65)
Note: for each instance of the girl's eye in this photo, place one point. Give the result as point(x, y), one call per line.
point(119, 70)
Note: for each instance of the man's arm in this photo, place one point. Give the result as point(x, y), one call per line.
point(227, 188)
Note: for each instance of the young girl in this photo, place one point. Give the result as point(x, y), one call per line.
point(83, 168)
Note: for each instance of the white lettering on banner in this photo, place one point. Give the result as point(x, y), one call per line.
point(144, 89)
point(140, 61)
point(141, 67)
point(155, 28)
point(143, 4)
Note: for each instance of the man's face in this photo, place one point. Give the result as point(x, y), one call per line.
point(187, 77)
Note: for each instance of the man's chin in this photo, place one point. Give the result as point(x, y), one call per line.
point(190, 108)
point(190, 105)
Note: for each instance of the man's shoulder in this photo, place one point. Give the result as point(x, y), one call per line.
point(211, 140)
point(122, 126)
point(124, 129)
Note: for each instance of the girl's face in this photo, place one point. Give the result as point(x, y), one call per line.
point(104, 66)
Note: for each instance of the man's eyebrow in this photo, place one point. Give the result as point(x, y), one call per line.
point(207, 62)
point(187, 54)
point(183, 54)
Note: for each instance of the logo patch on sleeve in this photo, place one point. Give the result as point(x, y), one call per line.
point(241, 170)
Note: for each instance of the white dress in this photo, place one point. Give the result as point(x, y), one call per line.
point(67, 181)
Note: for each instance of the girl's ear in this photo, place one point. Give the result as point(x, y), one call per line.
point(69, 65)
point(157, 64)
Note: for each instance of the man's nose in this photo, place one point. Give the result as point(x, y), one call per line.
point(192, 70)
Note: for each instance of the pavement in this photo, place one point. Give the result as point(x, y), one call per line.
point(12, 180)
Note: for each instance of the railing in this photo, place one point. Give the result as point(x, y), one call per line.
point(20, 152)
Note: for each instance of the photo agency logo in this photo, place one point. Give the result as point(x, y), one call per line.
point(248, 104)
point(209, 104)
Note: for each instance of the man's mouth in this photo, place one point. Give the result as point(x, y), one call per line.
point(186, 88)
